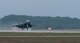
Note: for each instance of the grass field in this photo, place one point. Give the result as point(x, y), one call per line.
point(37, 34)
point(74, 37)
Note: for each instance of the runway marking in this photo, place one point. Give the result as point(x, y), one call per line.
point(39, 36)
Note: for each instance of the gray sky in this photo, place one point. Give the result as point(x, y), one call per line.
point(69, 8)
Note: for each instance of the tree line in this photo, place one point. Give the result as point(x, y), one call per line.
point(40, 22)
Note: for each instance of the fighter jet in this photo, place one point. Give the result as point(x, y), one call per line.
point(24, 25)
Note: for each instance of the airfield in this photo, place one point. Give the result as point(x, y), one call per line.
point(40, 36)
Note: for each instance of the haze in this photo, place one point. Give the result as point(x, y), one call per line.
point(69, 8)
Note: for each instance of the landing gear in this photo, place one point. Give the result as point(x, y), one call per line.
point(27, 28)
point(22, 28)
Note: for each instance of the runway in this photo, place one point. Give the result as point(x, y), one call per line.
point(43, 31)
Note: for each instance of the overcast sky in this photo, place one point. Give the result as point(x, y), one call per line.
point(69, 8)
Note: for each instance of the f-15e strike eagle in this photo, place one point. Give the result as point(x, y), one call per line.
point(24, 25)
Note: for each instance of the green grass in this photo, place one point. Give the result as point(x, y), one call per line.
point(37, 34)
point(39, 39)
